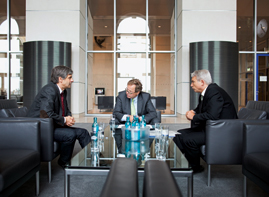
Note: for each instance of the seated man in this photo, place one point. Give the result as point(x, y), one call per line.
point(51, 101)
point(133, 102)
point(214, 104)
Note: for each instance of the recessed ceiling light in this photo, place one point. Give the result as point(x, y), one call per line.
point(159, 26)
point(105, 26)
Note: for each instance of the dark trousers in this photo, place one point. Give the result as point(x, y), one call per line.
point(189, 142)
point(67, 137)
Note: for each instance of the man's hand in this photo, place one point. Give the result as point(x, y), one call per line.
point(190, 114)
point(131, 118)
point(69, 121)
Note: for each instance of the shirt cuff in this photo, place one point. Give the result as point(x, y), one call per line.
point(124, 117)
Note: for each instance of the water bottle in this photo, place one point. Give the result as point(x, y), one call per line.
point(95, 127)
point(143, 123)
point(134, 121)
point(127, 129)
point(137, 129)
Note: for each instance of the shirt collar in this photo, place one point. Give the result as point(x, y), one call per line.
point(203, 93)
point(135, 99)
point(59, 89)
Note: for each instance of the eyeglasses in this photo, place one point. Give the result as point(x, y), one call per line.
point(128, 91)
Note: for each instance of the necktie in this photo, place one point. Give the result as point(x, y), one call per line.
point(62, 101)
point(201, 104)
point(132, 108)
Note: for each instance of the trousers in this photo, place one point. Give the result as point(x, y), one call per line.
point(189, 142)
point(67, 137)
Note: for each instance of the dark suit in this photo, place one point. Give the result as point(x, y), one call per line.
point(144, 107)
point(216, 104)
point(49, 100)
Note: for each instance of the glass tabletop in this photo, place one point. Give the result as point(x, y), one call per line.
point(113, 146)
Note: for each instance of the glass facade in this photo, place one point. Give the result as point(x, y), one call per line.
point(253, 47)
point(127, 41)
point(130, 41)
point(12, 36)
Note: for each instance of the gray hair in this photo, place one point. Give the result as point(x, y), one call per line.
point(202, 75)
point(60, 71)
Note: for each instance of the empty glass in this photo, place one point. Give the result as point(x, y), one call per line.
point(162, 148)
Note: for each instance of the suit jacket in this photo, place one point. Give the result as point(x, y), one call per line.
point(49, 100)
point(216, 104)
point(144, 107)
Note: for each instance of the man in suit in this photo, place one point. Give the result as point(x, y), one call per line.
point(214, 104)
point(133, 102)
point(51, 101)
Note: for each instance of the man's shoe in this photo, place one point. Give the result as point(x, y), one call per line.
point(63, 164)
point(198, 169)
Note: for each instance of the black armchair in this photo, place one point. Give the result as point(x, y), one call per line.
point(49, 149)
point(224, 138)
point(19, 154)
point(255, 164)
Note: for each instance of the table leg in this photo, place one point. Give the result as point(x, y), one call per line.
point(190, 186)
point(66, 184)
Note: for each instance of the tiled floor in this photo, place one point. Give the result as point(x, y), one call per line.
point(89, 119)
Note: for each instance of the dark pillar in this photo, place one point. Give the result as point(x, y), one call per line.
point(39, 57)
point(221, 59)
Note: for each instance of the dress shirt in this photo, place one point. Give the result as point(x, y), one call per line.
point(60, 94)
point(135, 104)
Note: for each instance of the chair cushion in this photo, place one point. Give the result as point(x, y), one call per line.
point(14, 112)
point(258, 164)
point(14, 164)
point(245, 113)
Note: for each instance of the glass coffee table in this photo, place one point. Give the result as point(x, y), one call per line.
point(114, 146)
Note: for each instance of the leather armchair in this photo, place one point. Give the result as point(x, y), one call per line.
point(224, 138)
point(19, 154)
point(255, 164)
point(49, 149)
point(159, 181)
point(122, 179)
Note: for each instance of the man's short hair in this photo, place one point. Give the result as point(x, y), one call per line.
point(60, 71)
point(137, 83)
point(202, 75)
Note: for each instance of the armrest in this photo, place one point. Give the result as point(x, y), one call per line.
point(255, 138)
point(224, 140)
point(20, 135)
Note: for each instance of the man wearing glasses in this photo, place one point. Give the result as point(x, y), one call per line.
point(133, 102)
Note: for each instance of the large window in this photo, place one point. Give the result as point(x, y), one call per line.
point(252, 36)
point(126, 40)
point(12, 36)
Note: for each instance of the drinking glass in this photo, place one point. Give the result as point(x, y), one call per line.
point(101, 136)
point(157, 138)
point(163, 143)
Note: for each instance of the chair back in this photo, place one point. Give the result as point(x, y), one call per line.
point(8, 104)
point(259, 105)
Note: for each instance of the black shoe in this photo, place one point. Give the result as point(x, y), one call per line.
point(198, 169)
point(63, 164)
